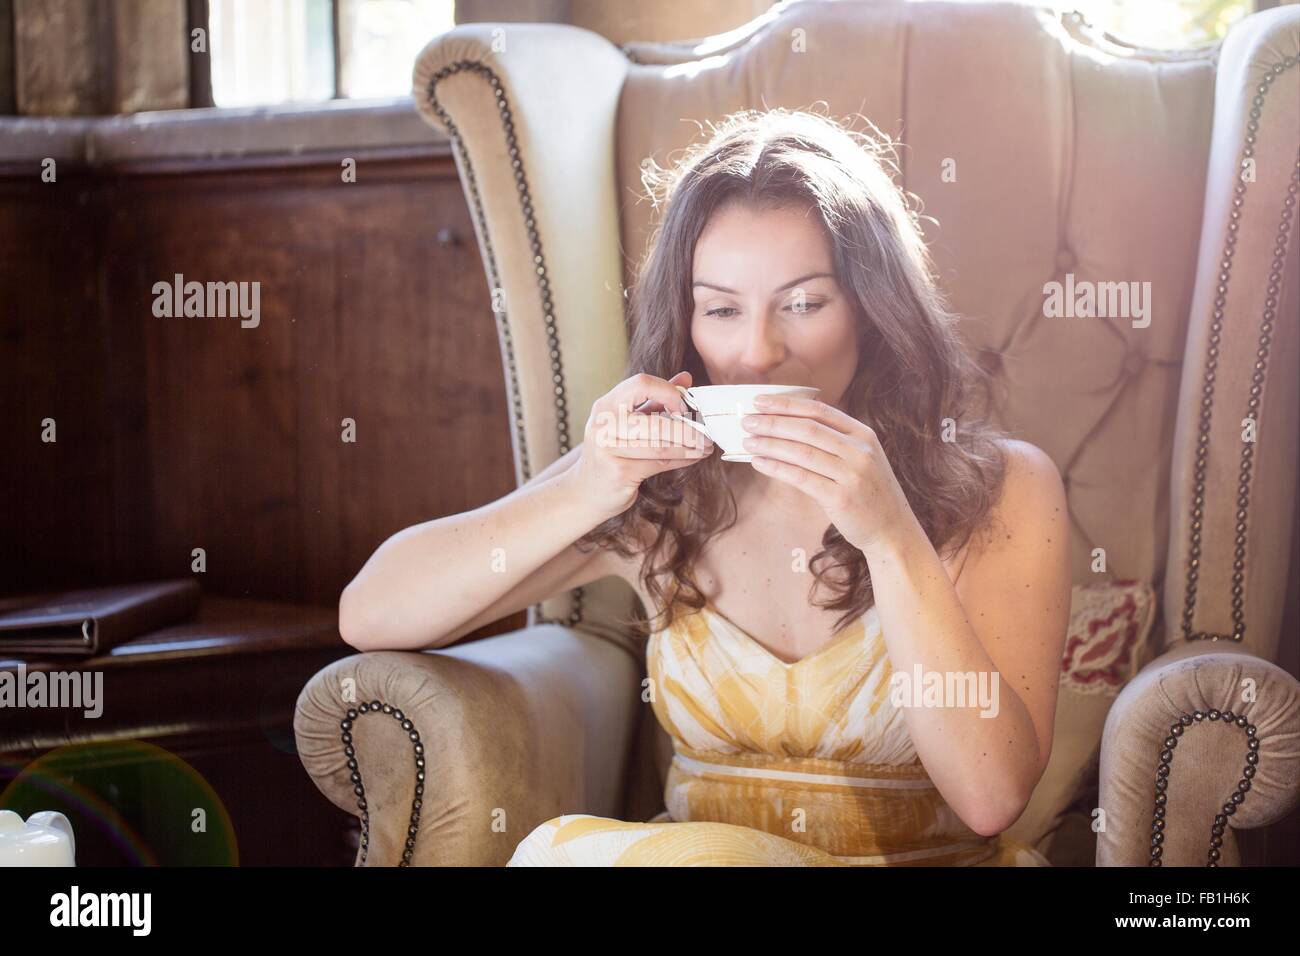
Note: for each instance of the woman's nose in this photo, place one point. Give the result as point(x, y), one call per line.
point(764, 345)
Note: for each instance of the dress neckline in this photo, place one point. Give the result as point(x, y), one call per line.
point(838, 638)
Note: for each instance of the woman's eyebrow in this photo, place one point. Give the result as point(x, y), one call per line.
point(788, 285)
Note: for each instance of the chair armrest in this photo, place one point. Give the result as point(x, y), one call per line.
point(1208, 763)
point(512, 730)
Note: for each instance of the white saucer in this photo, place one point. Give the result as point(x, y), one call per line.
point(737, 456)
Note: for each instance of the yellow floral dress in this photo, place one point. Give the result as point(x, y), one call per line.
point(778, 764)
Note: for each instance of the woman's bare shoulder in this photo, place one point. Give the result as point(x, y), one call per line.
point(1031, 476)
point(1028, 474)
point(1031, 489)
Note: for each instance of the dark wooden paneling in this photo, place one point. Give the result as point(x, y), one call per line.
point(205, 434)
point(8, 104)
point(55, 526)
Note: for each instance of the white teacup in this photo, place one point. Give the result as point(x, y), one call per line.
point(723, 406)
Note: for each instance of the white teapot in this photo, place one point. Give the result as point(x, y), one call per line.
point(44, 840)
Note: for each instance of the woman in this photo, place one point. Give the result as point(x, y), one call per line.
point(915, 732)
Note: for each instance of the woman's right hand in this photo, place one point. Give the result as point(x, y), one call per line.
point(622, 447)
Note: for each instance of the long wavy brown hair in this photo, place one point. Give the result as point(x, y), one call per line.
point(913, 371)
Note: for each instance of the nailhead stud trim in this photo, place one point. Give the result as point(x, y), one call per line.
point(539, 263)
point(358, 787)
point(1257, 382)
point(1163, 766)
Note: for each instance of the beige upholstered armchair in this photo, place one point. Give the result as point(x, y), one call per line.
point(1075, 155)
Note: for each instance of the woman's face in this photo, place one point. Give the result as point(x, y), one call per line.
point(768, 309)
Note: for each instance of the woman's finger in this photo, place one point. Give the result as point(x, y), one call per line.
point(643, 388)
point(612, 430)
point(675, 464)
point(649, 451)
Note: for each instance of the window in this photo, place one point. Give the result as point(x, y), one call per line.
point(1165, 24)
point(284, 51)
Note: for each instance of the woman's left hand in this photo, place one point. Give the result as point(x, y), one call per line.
point(834, 459)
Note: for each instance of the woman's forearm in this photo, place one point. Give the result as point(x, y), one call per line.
point(982, 758)
point(427, 580)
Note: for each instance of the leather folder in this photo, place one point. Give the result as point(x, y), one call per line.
point(94, 620)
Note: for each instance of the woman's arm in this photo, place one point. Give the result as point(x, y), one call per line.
point(432, 583)
point(1004, 623)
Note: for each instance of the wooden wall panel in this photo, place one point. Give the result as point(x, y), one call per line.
point(54, 363)
point(373, 307)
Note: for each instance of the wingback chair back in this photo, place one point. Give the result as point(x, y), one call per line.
point(1042, 151)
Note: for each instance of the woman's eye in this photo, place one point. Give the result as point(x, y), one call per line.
point(726, 311)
